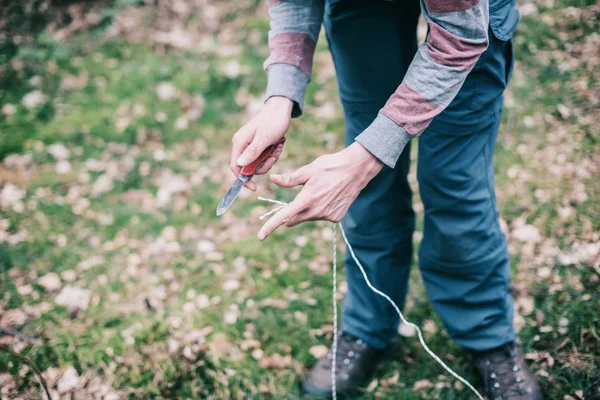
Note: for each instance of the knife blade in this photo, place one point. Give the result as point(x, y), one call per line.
point(245, 175)
point(232, 193)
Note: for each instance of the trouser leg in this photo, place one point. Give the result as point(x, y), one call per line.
point(463, 256)
point(372, 44)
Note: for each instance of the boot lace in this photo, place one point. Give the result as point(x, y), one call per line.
point(348, 352)
point(502, 377)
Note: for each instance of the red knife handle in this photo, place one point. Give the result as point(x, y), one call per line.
point(251, 168)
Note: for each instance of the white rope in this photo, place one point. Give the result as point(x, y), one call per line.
point(281, 203)
point(273, 211)
point(385, 296)
point(377, 291)
point(335, 316)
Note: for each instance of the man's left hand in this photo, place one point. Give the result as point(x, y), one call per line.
point(331, 183)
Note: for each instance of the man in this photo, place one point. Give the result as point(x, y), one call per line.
point(449, 90)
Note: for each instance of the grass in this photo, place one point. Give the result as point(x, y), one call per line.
point(183, 304)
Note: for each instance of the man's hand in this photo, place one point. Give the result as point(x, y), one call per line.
point(331, 183)
point(265, 129)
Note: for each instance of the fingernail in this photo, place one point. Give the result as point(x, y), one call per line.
point(276, 176)
point(261, 235)
point(242, 160)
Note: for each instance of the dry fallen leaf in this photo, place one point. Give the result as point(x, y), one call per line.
point(301, 317)
point(406, 330)
point(275, 303)
point(526, 233)
point(249, 344)
point(231, 316)
point(318, 351)
point(68, 381)
point(12, 318)
point(231, 285)
point(173, 345)
point(220, 347)
point(9, 109)
point(205, 246)
point(69, 275)
point(544, 272)
point(50, 282)
point(526, 304)
point(59, 151)
point(422, 384)
point(166, 91)
point(25, 290)
point(74, 298)
point(257, 354)
point(197, 335)
point(391, 380)
point(202, 301)
point(232, 69)
point(372, 386)
point(429, 326)
point(33, 99)
point(11, 195)
point(546, 329)
point(563, 111)
point(89, 263)
point(276, 361)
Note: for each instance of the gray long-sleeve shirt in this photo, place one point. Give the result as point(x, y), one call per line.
point(457, 37)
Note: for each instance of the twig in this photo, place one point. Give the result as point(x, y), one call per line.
point(19, 335)
point(149, 305)
point(32, 365)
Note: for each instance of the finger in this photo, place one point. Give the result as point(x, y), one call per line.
point(254, 149)
point(302, 216)
point(267, 165)
point(280, 218)
point(235, 169)
point(298, 177)
point(271, 160)
point(241, 140)
point(251, 185)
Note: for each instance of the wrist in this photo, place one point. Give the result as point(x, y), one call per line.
point(370, 164)
point(280, 104)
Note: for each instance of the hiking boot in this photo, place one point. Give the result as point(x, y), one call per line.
point(506, 375)
point(356, 363)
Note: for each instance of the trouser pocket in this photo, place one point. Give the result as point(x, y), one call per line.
point(480, 97)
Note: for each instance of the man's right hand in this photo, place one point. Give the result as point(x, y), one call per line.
point(263, 130)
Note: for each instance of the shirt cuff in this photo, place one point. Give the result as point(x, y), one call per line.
point(287, 81)
point(384, 139)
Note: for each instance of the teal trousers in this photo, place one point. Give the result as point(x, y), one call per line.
point(463, 254)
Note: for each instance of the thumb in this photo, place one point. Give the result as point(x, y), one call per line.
point(298, 177)
point(252, 152)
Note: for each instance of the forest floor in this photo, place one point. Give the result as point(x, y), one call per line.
point(114, 145)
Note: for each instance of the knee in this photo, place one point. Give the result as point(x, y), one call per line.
point(461, 223)
point(454, 183)
point(457, 242)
